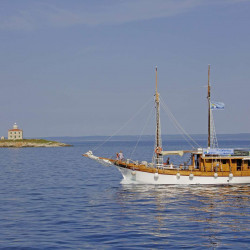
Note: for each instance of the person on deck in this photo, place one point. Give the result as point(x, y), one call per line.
point(167, 162)
point(121, 157)
point(117, 156)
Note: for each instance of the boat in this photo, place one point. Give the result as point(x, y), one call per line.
point(211, 165)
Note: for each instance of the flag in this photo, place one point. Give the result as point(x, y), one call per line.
point(217, 105)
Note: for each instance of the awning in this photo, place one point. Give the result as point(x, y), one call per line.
point(180, 152)
point(246, 158)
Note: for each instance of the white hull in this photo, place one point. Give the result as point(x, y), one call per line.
point(138, 177)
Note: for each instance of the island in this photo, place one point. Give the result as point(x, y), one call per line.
point(23, 143)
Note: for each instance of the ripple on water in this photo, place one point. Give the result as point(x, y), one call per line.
point(54, 198)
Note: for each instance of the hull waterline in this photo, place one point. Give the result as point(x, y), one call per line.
point(139, 177)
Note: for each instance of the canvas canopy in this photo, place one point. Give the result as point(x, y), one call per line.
point(246, 159)
point(180, 153)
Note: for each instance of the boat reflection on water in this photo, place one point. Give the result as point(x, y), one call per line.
point(194, 216)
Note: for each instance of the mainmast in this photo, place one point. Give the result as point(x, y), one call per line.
point(158, 144)
point(157, 102)
point(209, 109)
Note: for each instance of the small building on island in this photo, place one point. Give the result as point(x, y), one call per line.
point(15, 133)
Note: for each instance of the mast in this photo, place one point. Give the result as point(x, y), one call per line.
point(209, 110)
point(157, 102)
point(158, 144)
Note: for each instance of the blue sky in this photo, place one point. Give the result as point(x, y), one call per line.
point(77, 68)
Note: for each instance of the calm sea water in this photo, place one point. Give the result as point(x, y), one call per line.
point(53, 198)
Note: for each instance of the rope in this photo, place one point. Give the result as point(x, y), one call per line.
point(131, 118)
point(142, 132)
point(214, 137)
point(178, 126)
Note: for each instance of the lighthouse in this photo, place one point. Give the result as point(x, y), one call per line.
point(15, 133)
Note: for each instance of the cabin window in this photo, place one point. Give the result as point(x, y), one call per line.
point(248, 163)
point(224, 161)
point(197, 160)
point(239, 163)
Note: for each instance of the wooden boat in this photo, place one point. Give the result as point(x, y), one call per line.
point(209, 165)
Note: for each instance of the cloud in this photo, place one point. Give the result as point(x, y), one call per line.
point(18, 22)
point(62, 14)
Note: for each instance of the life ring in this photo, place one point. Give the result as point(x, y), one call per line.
point(158, 150)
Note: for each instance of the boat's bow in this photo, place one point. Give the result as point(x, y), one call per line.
point(104, 161)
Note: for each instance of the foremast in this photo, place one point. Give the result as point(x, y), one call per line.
point(209, 109)
point(158, 158)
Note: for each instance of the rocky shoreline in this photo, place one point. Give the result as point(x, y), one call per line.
point(36, 143)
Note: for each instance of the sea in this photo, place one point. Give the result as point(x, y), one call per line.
point(54, 198)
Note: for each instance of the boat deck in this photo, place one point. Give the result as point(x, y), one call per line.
point(174, 171)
